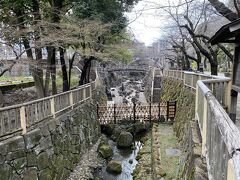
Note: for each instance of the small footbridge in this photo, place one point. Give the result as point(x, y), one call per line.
point(140, 112)
point(219, 134)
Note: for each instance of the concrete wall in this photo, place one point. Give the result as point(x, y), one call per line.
point(52, 149)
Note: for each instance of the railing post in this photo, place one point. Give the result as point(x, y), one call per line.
point(84, 93)
point(192, 82)
point(114, 113)
point(167, 110)
point(196, 101)
point(90, 89)
point(52, 105)
point(71, 99)
point(230, 171)
point(228, 96)
point(23, 120)
point(204, 126)
point(150, 109)
point(159, 112)
point(184, 79)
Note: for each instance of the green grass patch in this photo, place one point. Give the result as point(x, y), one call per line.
point(15, 79)
point(168, 140)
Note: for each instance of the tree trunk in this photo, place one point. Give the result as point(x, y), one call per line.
point(214, 69)
point(85, 71)
point(187, 62)
point(89, 72)
point(198, 66)
point(48, 70)
point(53, 71)
point(66, 85)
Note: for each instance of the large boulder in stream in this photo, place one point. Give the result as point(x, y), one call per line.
point(125, 139)
point(104, 149)
point(107, 129)
point(114, 167)
point(116, 132)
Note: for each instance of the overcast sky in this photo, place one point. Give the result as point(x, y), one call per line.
point(144, 21)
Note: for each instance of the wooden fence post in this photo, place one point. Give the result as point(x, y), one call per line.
point(134, 112)
point(114, 113)
point(52, 105)
point(23, 120)
point(97, 111)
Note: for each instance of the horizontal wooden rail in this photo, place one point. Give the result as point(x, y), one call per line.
point(20, 117)
point(220, 136)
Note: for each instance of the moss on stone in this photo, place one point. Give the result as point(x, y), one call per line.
point(105, 151)
point(114, 167)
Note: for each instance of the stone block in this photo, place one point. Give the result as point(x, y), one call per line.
point(5, 171)
point(2, 159)
point(3, 148)
point(19, 164)
point(45, 174)
point(51, 125)
point(32, 138)
point(15, 176)
point(43, 161)
point(30, 174)
point(46, 143)
point(15, 143)
point(44, 131)
point(15, 155)
point(31, 159)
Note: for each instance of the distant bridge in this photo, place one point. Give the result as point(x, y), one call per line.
point(127, 68)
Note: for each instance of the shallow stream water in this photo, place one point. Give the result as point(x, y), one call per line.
point(123, 155)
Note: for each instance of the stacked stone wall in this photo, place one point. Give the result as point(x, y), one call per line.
point(53, 148)
point(192, 164)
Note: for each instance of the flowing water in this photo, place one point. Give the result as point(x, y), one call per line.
point(124, 156)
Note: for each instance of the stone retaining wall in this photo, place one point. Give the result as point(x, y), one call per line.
point(53, 148)
point(192, 164)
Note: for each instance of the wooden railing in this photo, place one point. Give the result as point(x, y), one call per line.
point(22, 116)
point(220, 136)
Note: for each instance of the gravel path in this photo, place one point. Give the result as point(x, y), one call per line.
point(87, 165)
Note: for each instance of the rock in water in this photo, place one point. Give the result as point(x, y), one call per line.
point(107, 129)
point(105, 150)
point(114, 167)
point(125, 139)
point(116, 133)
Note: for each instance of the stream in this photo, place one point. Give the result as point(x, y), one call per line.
point(127, 157)
point(123, 155)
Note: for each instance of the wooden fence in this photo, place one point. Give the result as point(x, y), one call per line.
point(220, 136)
point(115, 113)
point(22, 116)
